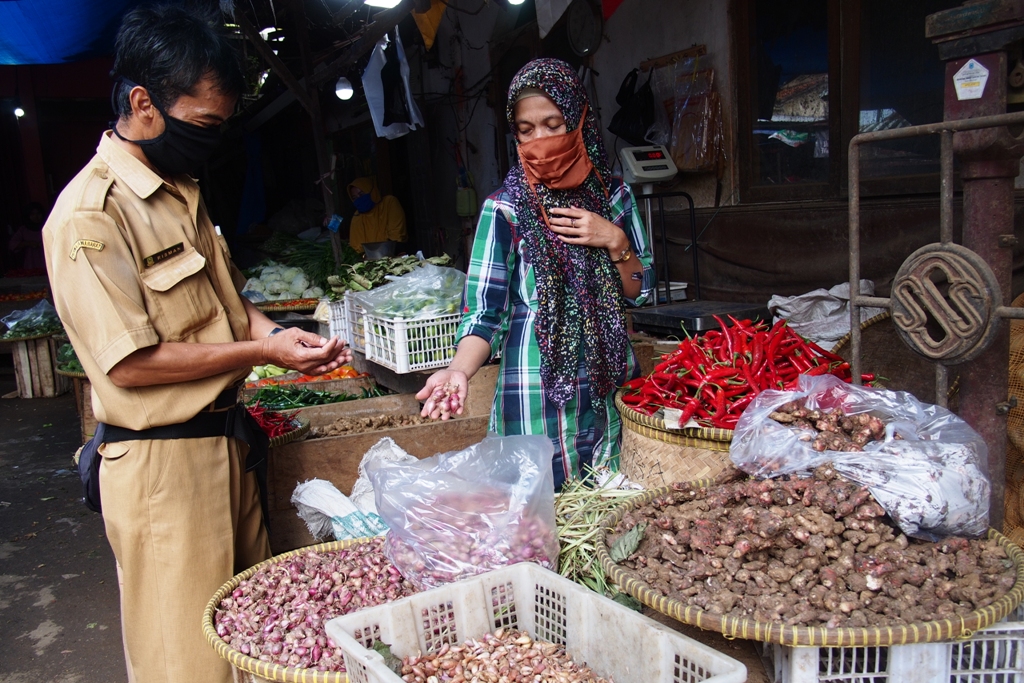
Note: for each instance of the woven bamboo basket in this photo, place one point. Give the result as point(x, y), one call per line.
point(298, 433)
point(803, 636)
point(249, 669)
point(653, 456)
point(845, 339)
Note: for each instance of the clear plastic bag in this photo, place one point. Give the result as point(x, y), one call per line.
point(928, 472)
point(466, 512)
point(37, 321)
point(697, 134)
point(427, 292)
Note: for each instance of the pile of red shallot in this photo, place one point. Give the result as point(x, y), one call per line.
point(449, 536)
point(278, 615)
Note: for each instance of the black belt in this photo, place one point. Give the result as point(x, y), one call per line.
point(234, 422)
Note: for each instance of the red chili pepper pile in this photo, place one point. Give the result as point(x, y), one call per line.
point(714, 377)
point(271, 422)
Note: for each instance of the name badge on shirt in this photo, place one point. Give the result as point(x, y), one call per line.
point(85, 244)
point(161, 256)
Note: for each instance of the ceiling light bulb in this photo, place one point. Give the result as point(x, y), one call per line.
point(516, 2)
point(386, 4)
point(19, 112)
point(343, 89)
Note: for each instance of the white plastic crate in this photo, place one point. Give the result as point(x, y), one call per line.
point(354, 323)
point(409, 345)
point(613, 640)
point(992, 655)
point(337, 326)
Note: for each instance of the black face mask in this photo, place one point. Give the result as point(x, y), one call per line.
point(181, 148)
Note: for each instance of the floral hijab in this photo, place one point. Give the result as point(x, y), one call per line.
point(579, 290)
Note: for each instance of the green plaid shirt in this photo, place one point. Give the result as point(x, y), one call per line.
point(500, 307)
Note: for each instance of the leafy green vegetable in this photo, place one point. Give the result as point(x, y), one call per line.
point(316, 259)
point(627, 543)
point(289, 397)
point(67, 359)
point(390, 661)
point(366, 275)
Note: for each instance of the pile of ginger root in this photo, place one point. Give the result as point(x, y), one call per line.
point(816, 551)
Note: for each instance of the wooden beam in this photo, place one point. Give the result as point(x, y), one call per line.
point(383, 22)
point(275, 62)
point(346, 10)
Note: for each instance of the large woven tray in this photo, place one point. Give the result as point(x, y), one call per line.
point(266, 670)
point(654, 427)
point(802, 636)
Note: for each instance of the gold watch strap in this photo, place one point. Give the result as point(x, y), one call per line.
point(624, 256)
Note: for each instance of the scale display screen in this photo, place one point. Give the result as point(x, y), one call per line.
point(648, 154)
point(648, 164)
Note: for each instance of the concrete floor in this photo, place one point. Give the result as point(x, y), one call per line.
point(59, 617)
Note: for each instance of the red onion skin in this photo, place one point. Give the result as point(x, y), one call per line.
point(278, 614)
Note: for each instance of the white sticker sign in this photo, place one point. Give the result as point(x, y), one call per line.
point(970, 80)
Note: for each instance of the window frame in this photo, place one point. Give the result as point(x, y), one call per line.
point(844, 50)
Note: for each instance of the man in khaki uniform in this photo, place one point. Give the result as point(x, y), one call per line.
point(149, 297)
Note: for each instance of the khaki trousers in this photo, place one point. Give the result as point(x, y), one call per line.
point(182, 517)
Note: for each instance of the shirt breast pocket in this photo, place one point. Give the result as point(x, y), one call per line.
point(179, 296)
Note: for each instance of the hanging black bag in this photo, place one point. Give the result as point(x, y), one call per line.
point(636, 112)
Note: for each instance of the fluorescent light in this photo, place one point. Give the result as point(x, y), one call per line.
point(19, 112)
point(386, 4)
point(516, 2)
point(343, 89)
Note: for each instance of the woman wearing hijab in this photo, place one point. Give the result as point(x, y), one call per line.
point(377, 219)
point(559, 251)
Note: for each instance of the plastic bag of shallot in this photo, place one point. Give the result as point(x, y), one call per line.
point(922, 463)
point(466, 512)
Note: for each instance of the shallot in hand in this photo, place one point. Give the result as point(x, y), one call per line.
point(444, 399)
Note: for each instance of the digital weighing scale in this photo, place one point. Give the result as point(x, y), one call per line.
point(645, 166)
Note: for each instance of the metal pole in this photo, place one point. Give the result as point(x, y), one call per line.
point(664, 249)
point(946, 187)
point(855, 259)
point(693, 246)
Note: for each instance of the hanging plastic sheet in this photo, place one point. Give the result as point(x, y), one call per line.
point(386, 84)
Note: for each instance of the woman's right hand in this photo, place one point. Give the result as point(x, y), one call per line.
point(444, 394)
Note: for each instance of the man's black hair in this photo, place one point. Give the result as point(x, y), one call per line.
point(167, 49)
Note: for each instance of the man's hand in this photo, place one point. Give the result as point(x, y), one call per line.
point(306, 352)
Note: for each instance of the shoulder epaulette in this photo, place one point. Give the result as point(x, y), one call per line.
point(95, 189)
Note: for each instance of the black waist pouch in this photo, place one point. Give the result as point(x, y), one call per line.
point(235, 422)
point(89, 468)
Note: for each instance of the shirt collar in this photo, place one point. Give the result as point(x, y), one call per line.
point(142, 180)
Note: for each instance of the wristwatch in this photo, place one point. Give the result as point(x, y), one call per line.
point(624, 256)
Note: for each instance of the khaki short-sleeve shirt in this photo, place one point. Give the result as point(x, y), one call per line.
point(134, 261)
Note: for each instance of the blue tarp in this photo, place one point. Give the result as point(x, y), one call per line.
point(56, 31)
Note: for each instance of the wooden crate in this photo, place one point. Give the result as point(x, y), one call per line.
point(337, 458)
point(352, 385)
point(83, 402)
point(35, 369)
point(321, 416)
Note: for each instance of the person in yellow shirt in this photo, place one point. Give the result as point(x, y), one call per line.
point(377, 219)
